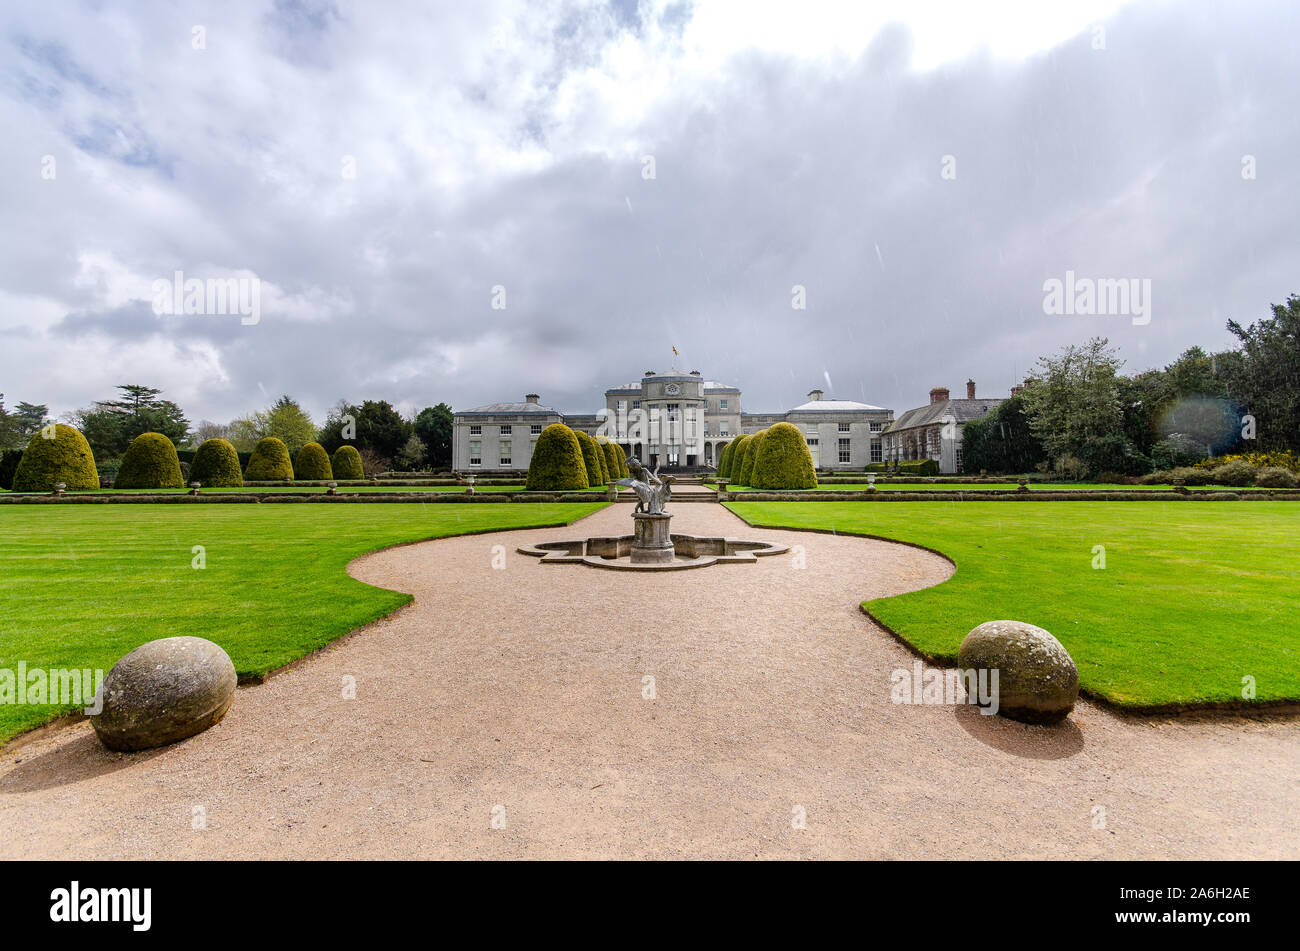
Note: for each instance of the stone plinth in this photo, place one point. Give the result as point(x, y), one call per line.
point(651, 542)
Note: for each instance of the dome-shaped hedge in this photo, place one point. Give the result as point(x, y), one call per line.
point(745, 471)
point(724, 460)
point(784, 460)
point(313, 462)
point(591, 455)
point(613, 460)
point(346, 463)
point(269, 462)
point(150, 462)
point(620, 470)
point(605, 474)
point(557, 462)
point(66, 458)
point(733, 461)
point(216, 464)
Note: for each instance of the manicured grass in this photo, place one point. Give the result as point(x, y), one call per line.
point(1194, 596)
point(979, 486)
point(82, 585)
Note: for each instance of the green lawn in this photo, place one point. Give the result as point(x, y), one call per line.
point(81, 585)
point(1193, 597)
point(979, 486)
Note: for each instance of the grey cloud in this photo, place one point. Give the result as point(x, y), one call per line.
point(1116, 163)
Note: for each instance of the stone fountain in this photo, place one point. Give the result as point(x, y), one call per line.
point(651, 546)
point(652, 543)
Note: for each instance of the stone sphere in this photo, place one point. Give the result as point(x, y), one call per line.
point(164, 691)
point(1037, 679)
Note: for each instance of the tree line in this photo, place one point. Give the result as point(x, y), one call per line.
point(384, 437)
point(1078, 415)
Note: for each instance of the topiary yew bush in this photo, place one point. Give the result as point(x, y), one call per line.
point(346, 463)
point(737, 455)
point(557, 462)
point(590, 458)
point(750, 453)
point(606, 473)
point(724, 460)
point(313, 462)
point(613, 460)
point(66, 458)
point(150, 462)
point(783, 460)
point(269, 462)
point(216, 464)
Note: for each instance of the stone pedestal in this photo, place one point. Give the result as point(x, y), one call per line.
point(651, 542)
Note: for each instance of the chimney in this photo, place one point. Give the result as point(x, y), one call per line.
point(532, 398)
point(695, 373)
point(1017, 390)
point(815, 395)
point(938, 394)
point(970, 389)
point(649, 372)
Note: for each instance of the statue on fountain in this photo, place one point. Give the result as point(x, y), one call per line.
point(652, 492)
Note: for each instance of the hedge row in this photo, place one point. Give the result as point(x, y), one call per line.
point(1235, 472)
point(153, 462)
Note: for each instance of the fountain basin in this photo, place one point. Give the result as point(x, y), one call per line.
point(688, 551)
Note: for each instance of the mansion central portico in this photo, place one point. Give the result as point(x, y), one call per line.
point(672, 420)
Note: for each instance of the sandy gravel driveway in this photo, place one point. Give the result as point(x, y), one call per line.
point(519, 698)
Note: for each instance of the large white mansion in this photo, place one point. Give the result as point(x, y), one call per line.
point(672, 419)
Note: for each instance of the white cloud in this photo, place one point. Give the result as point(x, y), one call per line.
point(501, 143)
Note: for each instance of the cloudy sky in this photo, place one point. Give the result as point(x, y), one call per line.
point(635, 176)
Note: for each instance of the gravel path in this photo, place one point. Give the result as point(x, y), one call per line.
point(518, 694)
